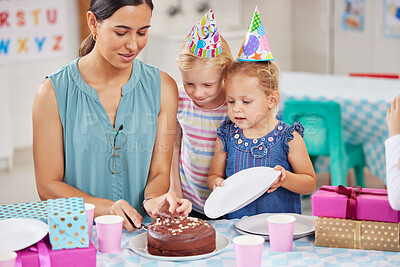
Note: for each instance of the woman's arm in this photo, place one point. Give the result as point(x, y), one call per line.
point(393, 154)
point(48, 155)
point(392, 146)
point(159, 174)
point(302, 180)
point(217, 169)
point(175, 177)
point(48, 151)
point(393, 117)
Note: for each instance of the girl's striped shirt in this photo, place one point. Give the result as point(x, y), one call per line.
point(199, 133)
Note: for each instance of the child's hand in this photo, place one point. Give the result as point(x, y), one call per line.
point(217, 182)
point(393, 117)
point(279, 181)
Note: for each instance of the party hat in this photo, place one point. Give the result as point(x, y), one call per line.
point(204, 40)
point(255, 45)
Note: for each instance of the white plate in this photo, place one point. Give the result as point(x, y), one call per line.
point(266, 237)
point(21, 233)
point(139, 245)
point(258, 225)
point(232, 196)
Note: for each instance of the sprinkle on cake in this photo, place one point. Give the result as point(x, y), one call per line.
point(180, 236)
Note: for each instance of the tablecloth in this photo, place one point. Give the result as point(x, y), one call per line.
point(304, 254)
point(364, 102)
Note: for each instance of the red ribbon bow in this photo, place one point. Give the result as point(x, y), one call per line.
point(351, 193)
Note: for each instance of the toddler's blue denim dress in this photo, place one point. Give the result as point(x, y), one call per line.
point(269, 151)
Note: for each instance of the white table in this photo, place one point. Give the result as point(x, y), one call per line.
point(304, 254)
point(364, 103)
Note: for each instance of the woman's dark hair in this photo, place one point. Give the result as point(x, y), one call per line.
point(103, 9)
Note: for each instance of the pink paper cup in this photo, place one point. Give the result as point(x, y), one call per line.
point(248, 250)
point(7, 258)
point(109, 232)
point(280, 228)
point(90, 214)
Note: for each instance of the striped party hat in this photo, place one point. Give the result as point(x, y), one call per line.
point(204, 39)
point(255, 45)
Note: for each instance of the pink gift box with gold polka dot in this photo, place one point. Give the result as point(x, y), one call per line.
point(344, 233)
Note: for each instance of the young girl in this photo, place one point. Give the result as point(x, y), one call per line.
point(252, 136)
point(201, 110)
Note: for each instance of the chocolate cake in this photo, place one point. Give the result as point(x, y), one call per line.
point(180, 236)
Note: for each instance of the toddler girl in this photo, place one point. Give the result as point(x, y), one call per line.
point(252, 136)
point(203, 60)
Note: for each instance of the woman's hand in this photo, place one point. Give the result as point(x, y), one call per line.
point(393, 117)
point(279, 181)
point(176, 206)
point(132, 218)
point(217, 182)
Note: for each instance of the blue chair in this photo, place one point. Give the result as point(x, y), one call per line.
point(323, 137)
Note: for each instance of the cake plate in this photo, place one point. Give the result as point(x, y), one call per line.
point(138, 244)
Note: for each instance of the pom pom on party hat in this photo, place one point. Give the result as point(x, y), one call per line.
point(255, 45)
point(204, 39)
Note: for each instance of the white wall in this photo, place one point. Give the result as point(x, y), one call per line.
point(6, 142)
point(367, 51)
point(311, 38)
point(321, 45)
point(25, 77)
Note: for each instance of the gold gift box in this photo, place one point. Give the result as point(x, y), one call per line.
point(345, 233)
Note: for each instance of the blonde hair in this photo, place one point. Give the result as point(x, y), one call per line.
point(267, 73)
point(188, 61)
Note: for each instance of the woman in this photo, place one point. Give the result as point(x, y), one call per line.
point(103, 125)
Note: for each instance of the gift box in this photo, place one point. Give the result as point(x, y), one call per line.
point(67, 222)
point(31, 210)
point(66, 218)
point(353, 203)
point(346, 233)
point(41, 254)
